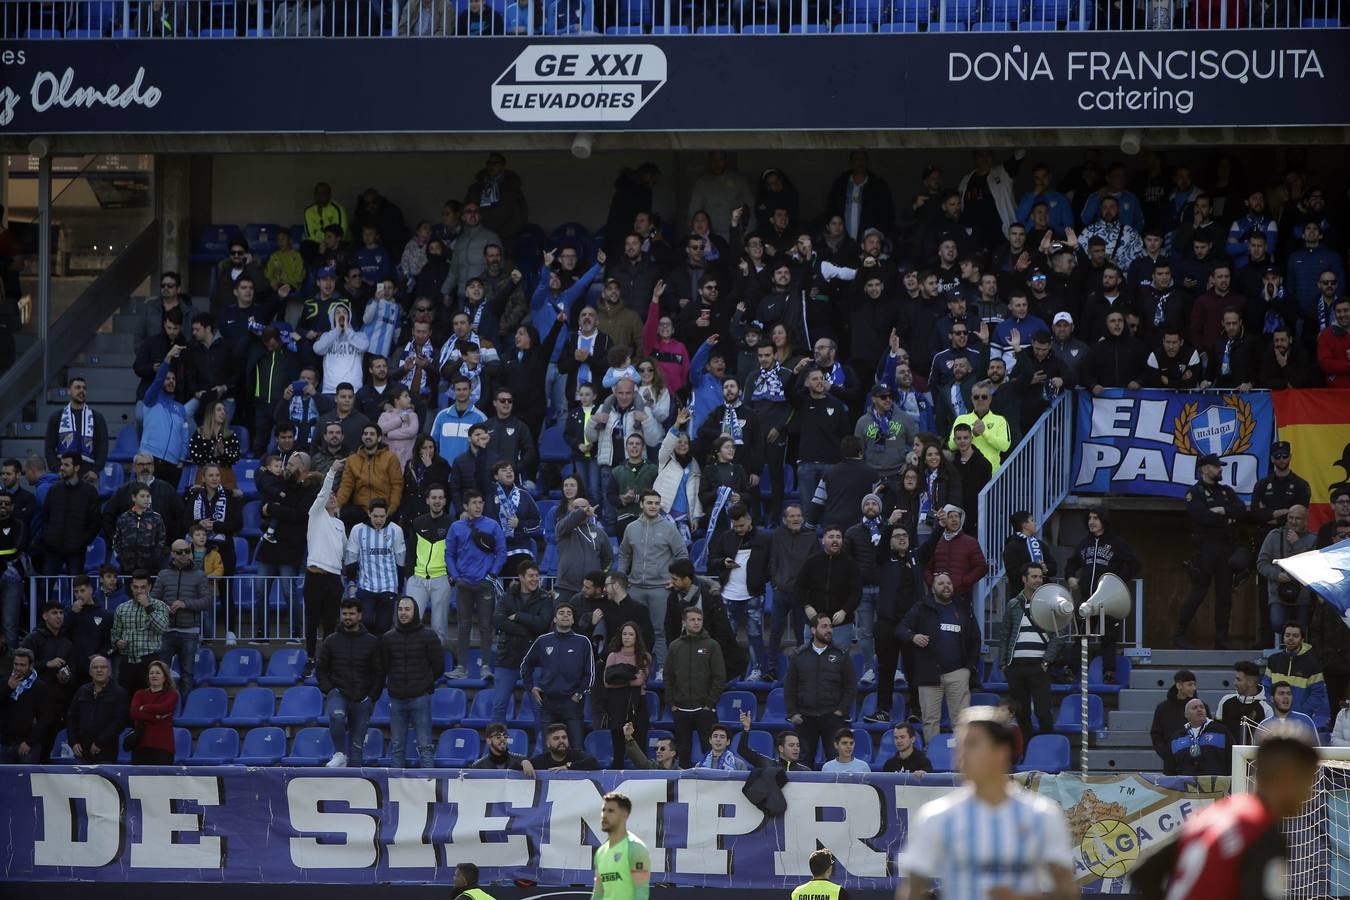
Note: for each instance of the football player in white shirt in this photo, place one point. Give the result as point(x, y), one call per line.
point(989, 839)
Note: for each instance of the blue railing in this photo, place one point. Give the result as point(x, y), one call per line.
point(92, 19)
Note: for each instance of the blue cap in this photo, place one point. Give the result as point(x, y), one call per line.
point(326, 272)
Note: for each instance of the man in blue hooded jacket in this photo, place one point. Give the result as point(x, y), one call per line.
point(475, 551)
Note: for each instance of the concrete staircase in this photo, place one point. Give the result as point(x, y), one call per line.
point(1126, 745)
point(105, 360)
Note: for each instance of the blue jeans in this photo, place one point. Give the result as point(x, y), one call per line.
point(588, 470)
point(749, 613)
point(555, 388)
point(1282, 614)
point(608, 515)
point(864, 617)
point(184, 643)
point(417, 711)
point(503, 685)
point(808, 477)
point(843, 638)
point(566, 711)
point(377, 610)
point(785, 610)
point(11, 611)
point(348, 717)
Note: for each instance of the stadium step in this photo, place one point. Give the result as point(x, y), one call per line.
point(20, 447)
point(1138, 700)
point(93, 359)
point(1114, 759)
point(1159, 680)
point(107, 384)
point(1134, 720)
point(112, 342)
point(1196, 659)
point(116, 414)
point(1123, 739)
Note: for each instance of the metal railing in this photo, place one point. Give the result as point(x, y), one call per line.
point(49, 19)
point(1035, 478)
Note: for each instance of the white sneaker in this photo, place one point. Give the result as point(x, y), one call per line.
point(755, 674)
point(659, 673)
point(339, 761)
point(458, 672)
point(485, 673)
point(868, 677)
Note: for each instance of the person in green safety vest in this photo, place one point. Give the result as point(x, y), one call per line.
point(623, 865)
point(466, 883)
point(820, 887)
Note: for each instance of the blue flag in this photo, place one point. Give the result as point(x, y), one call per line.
point(1326, 572)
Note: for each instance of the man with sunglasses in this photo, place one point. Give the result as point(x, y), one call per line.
point(236, 265)
point(183, 589)
point(170, 297)
point(992, 436)
point(1278, 491)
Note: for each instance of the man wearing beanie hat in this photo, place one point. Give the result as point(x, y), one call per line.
point(863, 544)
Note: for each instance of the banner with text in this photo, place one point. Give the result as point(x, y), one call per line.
point(659, 83)
point(274, 825)
point(1148, 442)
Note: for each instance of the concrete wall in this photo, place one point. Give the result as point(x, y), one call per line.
point(275, 188)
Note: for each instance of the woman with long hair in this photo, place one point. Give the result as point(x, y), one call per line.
point(425, 468)
point(624, 699)
point(399, 423)
point(783, 351)
point(678, 477)
point(152, 710)
point(215, 442)
point(652, 389)
point(940, 485)
point(906, 499)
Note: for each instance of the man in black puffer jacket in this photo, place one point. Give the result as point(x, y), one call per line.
point(524, 613)
point(412, 661)
point(350, 678)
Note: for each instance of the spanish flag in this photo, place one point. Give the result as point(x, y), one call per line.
point(1314, 422)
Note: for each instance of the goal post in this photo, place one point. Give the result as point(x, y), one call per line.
point(1319, 836)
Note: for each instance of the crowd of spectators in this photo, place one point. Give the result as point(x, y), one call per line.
point(777, 424)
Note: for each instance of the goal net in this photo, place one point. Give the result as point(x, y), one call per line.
point(1319, 836)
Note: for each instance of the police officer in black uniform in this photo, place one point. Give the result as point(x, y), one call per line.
point(1271, 499)
point(1215, 512)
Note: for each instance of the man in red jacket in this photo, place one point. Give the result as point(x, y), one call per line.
point(953, 551)
point(1333, 347)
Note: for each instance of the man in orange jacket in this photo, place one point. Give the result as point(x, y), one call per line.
point(372, 471)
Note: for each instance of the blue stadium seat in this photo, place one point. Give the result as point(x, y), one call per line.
point(300, 705)
point(449, 706)
point(205, 706)
point(633, 14)
point(624, 30)
point(96, 554)
point(996, 681)
point(670, 29)
point(1046, 753)
point(239, 666)
point(518, 741)
point(1321, 23)
point(869, 706)
point(991, 26)
point(573, 233)
point(730, 704)
point(1048, 11)
point(206, 666)
point(252, 527)
point(862, 745)
point(548, 563)
point(125, 445)
point(284, 667)
point(262, 747)
point(775, 710)
point(252, 706)
point(244, 473)
point(43, 34)
point(243, 560)
point(110, 478)
point(760, 741)
point(525, 716)
point(548, 518)
point(214, 243)
point(457, 747)
point(215, 33)
point(962, 11)
point(1098, 686)
point(853, 28)
point(1000, 11)
point(940, 753)
point(947, 26)
point(215, 747)
point(1068, 721)
point(380, 714)
point(983, 698)
point(810, 28)
point(654, 735)
point(472, 664)
point(716, 29)
point(600, 744)
point(373, 747)
point(480, 711)
point(312, 747)
point(552, 447)
point(759, 28)
point(1037, 26)
point(261, 238)
point(61, 748)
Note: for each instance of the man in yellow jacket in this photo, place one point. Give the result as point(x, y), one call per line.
point(325, 211)
point(992, 435)
point(820, 887)
point(372, 471)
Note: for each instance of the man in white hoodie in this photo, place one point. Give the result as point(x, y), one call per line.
point(343, 348)
point(327, 541)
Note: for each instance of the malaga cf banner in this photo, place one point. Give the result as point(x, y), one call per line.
point(1150, 441)
point(240, 825)
point(1316, 423)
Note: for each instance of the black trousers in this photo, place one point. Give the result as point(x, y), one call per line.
point(1210, 565)
point(323, 602)
point(890, 650)
point(1028, 686)
point(131, 675)
point(625, 704)
point(685, 724)
point(817, 730)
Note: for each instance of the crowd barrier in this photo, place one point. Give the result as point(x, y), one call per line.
point(116, 824)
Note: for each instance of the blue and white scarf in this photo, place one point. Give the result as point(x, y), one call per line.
point(873, 526)
point(731, 424)
point(507, 504)
point(768, 386)
point(722, 501)
point(475, 376)
point(883, 428)
point(1034, 549)
point(958, 400)
point(23, 686)
point(429, 354)
point(76, 438)
point(728, 762)
point(1226, 362)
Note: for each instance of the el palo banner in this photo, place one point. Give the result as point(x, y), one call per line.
point(1148, 442)
point(115, 824)
point(1316, 423)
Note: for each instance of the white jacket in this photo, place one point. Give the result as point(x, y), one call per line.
point(668, 477)
point(326, 535)
point(1001, 186)
point(650, 429)
point(1340, 732)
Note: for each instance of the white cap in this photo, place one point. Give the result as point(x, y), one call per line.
point(1062, 317)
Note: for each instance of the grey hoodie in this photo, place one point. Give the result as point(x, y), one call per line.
point(647, 549)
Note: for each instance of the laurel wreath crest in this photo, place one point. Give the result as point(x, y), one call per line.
point(1181, 426)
